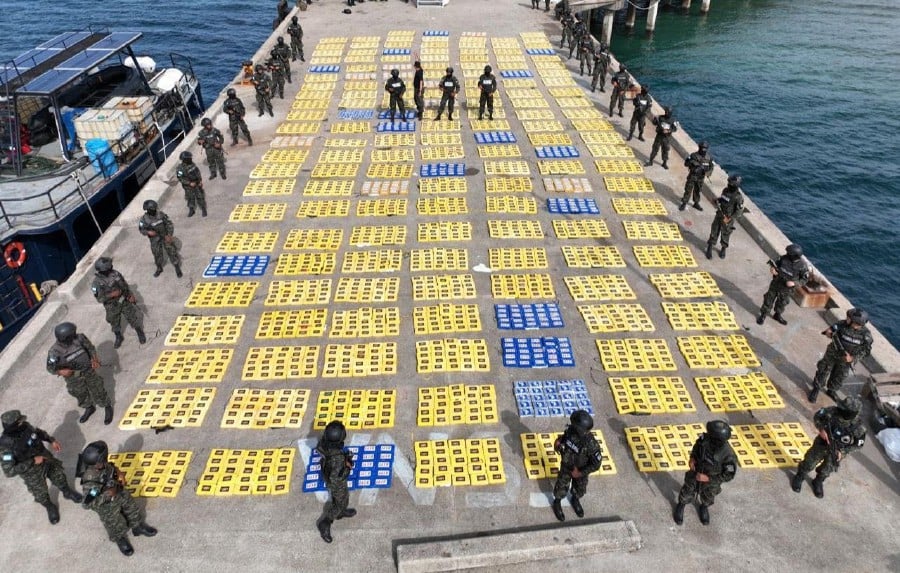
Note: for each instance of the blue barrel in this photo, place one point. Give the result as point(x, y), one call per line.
point(102, 157)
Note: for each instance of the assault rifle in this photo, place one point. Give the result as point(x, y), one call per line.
point(110, 480)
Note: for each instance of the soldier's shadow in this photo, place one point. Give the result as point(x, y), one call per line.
point(72, 441)
point(134, 444)
point(666, 484)
point(109, 367)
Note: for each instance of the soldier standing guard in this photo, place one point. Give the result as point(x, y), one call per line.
point(396, 87)
point(192, 182)
point(112, 291)
point(211, 140)
point(22, 453)
point(580, 456)
point(578, 31)
point(419, 89)
point(158, 227)
point(276, 69)
point(642, 104)
point(712, 463)
point(236, 111)
point(105, 493)
point(282, 52)
point(790, 272)
point(487, 83)
point(620, 82)
point(850, 341)
point(729, 207)
point(449, 88)
point(296, 33)
point(263, 86)
point(336, 466)
point(585, 53)
point(567, 23)
point(840, 432)
point(665, 127)
point(700, 165)
point(74, 358)
point(601, 66)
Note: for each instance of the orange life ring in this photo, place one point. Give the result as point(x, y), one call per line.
point(19, 260)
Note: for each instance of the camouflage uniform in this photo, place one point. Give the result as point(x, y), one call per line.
point(276, 67)
point(487, 83)
point(576, 451)
point(731, 205)
point(263, 92)
point(833, 369)
point(192, 182)
point(575, 36)
point(116, 306)
point(282, 52)
point(19, 445)
point(105, 494)
point(847, 435)
point(699, 166)
point(336, 466)
point(449, 88)
point(85, 385)
point(162, 225)
point(601, 66)
point(720, 465)
point(235, 109)
point(296, 33)
point(779, 293)
point(567, 24)
point(211, 140)
point(620, 82)
point(419, 91)
point(665, 127)
point(642, 104)
point(585, 53)
point(396, 87)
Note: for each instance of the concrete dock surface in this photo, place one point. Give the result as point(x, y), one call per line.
point(758, 523)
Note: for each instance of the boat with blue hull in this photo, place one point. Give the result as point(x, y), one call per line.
point(84, 124)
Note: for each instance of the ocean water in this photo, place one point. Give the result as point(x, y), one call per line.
point(798, 96)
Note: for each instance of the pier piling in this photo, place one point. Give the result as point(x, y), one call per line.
point(704, 6)
point(651, 16)
point(630, 16)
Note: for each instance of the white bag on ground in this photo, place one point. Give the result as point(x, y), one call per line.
point(890, 439)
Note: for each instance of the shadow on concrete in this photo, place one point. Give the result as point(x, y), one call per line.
point(72, 441)
point(664, 482)
point(515, 426)
point(134, 443)
point(109, 367)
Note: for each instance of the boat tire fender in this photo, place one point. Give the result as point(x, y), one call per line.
point(18, 249)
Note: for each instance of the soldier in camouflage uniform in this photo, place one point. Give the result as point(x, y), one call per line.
point(236, 111)
point(112, 291)
point(211, 140)
point(601, 66)
point(642, 104)
point(336, 466)
point(263, 85)
point(840, 432)
point(104, 492)
point(296, 33)
point(580, 456)
point(790, 272)
point(568, 21)
point(74, 358)
point(729, 207)
point(396, 87)
point(22, 453)
point(665, 127)
point(276, 70)
point(585, 53)
point(487, 84)
point(449, 88)
point(850, 342)
point(700, 165)
point(192, 182)
point(620, 82)
point(282, 52)
point(578, 32)
point(158, 227)
point(712, 463)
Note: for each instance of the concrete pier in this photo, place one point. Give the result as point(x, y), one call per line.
point(651, 16)
point(758, 523)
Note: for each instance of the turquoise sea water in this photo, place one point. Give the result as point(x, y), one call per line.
point(798, 96)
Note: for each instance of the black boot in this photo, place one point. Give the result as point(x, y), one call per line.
point(678, 514)
point(640, 137)
point(143, 529)
point(324, 526)
point(119, 340)
point(708, 251)
point(557, 510)
point(630, 136)
point(797, 482)
point(778, 318)
point(761, 318)
point(249, 141)
point(72, 495)
point(813, 394)
point(682, 207)
point(203, 210)
point(649, 162)
point(703, 512)
point(576, 505)
point(158, 271)
point(233, 143)
point(698, 206)
point(191, 211)
point(141, 337)
point(438, 118)
point(449, 117)
point(52, 512)
point(212, 175)
point(665, 165)
point(722, 252)
point(125, 546)
point(349, 512)
point(178, 272)
point(88, 412)
point(107, 416)
point(817, 486)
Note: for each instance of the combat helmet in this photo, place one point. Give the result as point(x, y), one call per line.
point(488, 69)
point(395, 73)
point(794, 251)
point(704, 145)
point(718, 431)
point(581, 421)
point(231, 93)
point(735, 180)
point(65, 332)
point(858, 316)
point(95, 453)
point(335, 432)
point(11, 418)
point(186, 156)
point(850, 405)
point(206, 122)
point(449, 71)
point(103, 265)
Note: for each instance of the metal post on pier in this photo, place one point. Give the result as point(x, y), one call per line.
point(685, 4)
point(651, 16)
point(630, 16)
point(606, 36)
point(704, 6)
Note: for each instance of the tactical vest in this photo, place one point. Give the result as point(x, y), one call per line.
point(73, 355)
point(665, 126)
point(852, 340)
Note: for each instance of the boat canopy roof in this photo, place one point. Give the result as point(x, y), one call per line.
point(51, 67)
